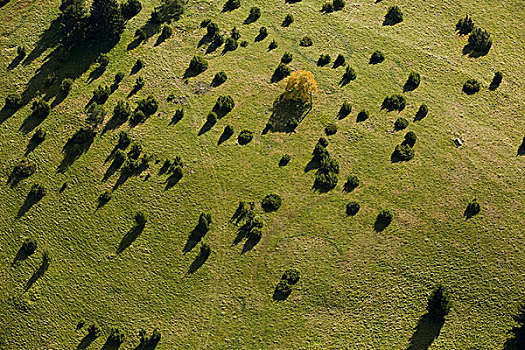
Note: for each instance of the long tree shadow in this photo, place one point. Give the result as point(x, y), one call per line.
point(15, 62)
point(469, 50)
point(32, 198)
point(130, 237)
point(517, 341)
point(50, 38)
point(426, 331)
point(199, 261)
point(77, 145)
point(44, 265)
point(85, 342)
point(6, 113)
point(250, 243)
point(172, 180)
point(206, 127)
point(26, 250)
point(521, 148)
point(287, 114)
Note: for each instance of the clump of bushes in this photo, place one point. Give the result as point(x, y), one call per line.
point(23, 169)
point(40, 108)
point(349, 74)
point(291, 276)
point(339, 61)
point(306, 41)
point(345, 110)
point(122, 111)
point(284, 287)
point(403, 152)
point(281, 72)
point(288, 20)
point(130, 9)
point(479, 41)
point(393, 16)
point(352, 182)
point(465, 25)
point(198, 64)
point(377, 57)
point(273, 45)
point(384, 218)
point(400, 123)
point(422, 112)
point(231, 5)
point(496, 81)
point(473, 208)
point(287, 58)
point(28, 247)
point(245, 136)
point(285, 159)
point(148, 105)
point(231, 44)
point(394, 103)
point(413, 81)
point(271, 202)
point(255, 14)
point(235, 34)
point(219, 79)
point(471, 86)
point(352, 208)
point(37, 192)
point(323, 60)
point(330, 129)
point(101, 94)
point(116, 337)
point(224, 105)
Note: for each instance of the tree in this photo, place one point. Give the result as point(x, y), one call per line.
point(439, 303)
point(105, 20)
point(72, 17)
point(300, 86)
point(168, 10)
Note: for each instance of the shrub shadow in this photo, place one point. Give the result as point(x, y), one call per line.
point(426, 331)
point(76, 146)
point(44, 265)
point(172, 180)
point(50, 38)
point(285, 111)
point(521, 149)
point(380, 225)
point(85, 342)
point(130, 237)
point(278, 296)
point(469, 50)
point(28, 204)
point(205, 128)
point(21, 255)
point(196, 235)
point(197, 263)
point(250, 243)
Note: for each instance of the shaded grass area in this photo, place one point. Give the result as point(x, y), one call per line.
point(350, 272)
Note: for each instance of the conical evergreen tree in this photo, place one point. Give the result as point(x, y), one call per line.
point(439, 303)
point(106, 21)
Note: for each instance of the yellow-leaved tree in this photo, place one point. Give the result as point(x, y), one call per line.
point(300, 85)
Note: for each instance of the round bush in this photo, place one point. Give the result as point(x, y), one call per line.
point(281, 72)
point(224, 105)
point(345, 109)
point(118, 77)
point(330, 129)
point(139, 83)
point(349, 74)
point(325, 180)
point(148, 105)
point(496, 81)
point(323, 60)
point(219, 79)
point(465, 25)
point(471, 86)
point(363, 115)
point(306, 41)
point(328, 7)
point(37, 192)
point(40, 108)
point(231, 44)
point(403, 152)
point(351, 183)
point(422, 112)
point(140, 34)
point(473, 208)
point(400, 123)
point(140, 218)
point(394, 103)
point(287, 58)
point(393, 16)
point(410, 138)
point(244, 43)
point(413, 81)
point(384, 217)
point(138, 117)
point(271, 202)
point(339, 4)
point(323, 142)
point(231, 5)
point(285, 159)
point(212, 29)
point(352, 208)
point(245, 136)
point(288, 19)
point(101, 94)
point(235, 34)
point(28, 247)
point(198, 64)
point(255, 14)
point(105, 196)
point(283, 288)
point(339, 61)
point(291, 276)
point(273, 45)
point(263, 32)
point(130, 9)
point(480, 41)
point(377, 57)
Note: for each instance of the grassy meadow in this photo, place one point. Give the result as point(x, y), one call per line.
point(359, 289)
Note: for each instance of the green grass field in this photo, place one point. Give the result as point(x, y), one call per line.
point(359, 289)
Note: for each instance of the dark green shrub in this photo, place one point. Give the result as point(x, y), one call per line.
point(28, 247)
point(352, 208)
point(101, 94)
point(291, 276)
point(95, 114)
point(330, 129)
point(65, 86)
point(439, 303)
point(403, 152)
point(139, 83)
point(465, 25)
point(271, 202)
point(205, 22)
point(105, 197)
point(228, 132)
point(328, 7)
point(168, 10)
point(322, 142)
point(306, 41)
point(384, 217)
point(422, 112)
point(205, 251)
point(471, 86)
point(345, 109)
point(40, 108)
point(37, 192)
point(400, 123)
point(325, 180)
point(224, 105)
point(21, 52)
point(285, 159)
point(393, 16)
point(287, 58)
point(255, 14)
point(245, 136)
point(93, 331)
point(140, 34)
point(235, 34)
point(351, 183)
point(339, 4)
point(288, 19)
point(148, 105)
point(204, 222)
point(283, 288)
point(394, 103)
point(273, 45)
point(339, 61)
point(138, 117)
point(122, 111)
point(413, 81)
point(24, 169)
point(496, 81)
point(231, 5)
point(479, 41)
point(211, 118)
point(179, 114)
point(323, 60)
point(198, 64)
point(166, 32)
point(116, 337)
point(139, 64)
point(473, 208)
point(231, 44)
point(320, 152)
point(281, 72)
point(212, 29)
point(349, 74)
point(38, 137)
point(219, 79)
point(118, 78)
point(410, 138)
point(377, 57)
point(13, 101)
point(263, 33)
point(217, 41)
point(140, 218)
point(119, 158)
point(244, 43)
point(130, 8)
